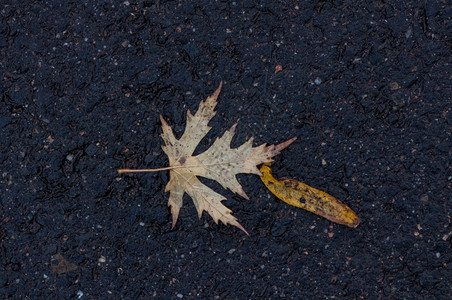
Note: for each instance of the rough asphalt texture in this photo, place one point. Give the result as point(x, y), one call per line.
point(364, 85)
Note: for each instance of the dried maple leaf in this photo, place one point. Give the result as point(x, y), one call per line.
point(219, 163)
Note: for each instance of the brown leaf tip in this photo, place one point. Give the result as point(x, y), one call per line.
point(218, 90)
point(286, 143)
point(278, 148)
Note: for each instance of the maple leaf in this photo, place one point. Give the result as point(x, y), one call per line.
point(220, 163)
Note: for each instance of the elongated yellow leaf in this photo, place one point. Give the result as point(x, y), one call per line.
point(301, 195)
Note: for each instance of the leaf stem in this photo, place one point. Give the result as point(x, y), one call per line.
point(121, 171)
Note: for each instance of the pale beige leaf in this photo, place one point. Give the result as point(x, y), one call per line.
point(219, 163)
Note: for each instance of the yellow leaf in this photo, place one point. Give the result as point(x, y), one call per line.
point(301, 195)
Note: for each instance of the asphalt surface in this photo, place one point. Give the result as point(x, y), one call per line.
point(365, 86)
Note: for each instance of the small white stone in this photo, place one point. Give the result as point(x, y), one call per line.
point(79, 294)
